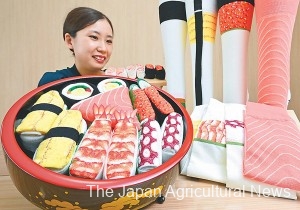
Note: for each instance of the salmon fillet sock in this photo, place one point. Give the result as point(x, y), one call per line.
point(275, 23)
point(272, 146)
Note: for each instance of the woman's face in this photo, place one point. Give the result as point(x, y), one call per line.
point(92, 47)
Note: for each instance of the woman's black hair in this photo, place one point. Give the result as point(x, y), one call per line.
point(81, 17)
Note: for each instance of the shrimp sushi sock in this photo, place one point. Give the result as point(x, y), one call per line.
point(123, 150)
point(90, 156)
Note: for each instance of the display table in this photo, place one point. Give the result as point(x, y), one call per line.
point(186, 193)
point(157, 82)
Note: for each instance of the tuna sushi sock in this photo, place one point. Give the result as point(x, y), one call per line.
point(272, 145)
point(173, 27)
point(275, 23)
point(235, 19)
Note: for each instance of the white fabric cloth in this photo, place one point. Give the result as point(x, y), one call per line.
point(207, 157)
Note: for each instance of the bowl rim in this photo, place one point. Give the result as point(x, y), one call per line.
point(25, 163)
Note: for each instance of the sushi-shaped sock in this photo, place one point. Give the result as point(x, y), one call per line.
point(89, 158)
point(161, 103)
point(209, 13)
point(74, 92)
point(141, 103)
point(212, 126)
point(173, 26)
point(42, 114)
point(122, 154)
point(209, 149)
point(118, 97)
point(140, 71)
point(149, 71)
point(235, 18)
point(56, 151)
point(158, 101)
point(150, 150)
point(275, 22)
point(272, 146)
point(235, 130)
point(121, 72)
point(172, 135)
point(160, 72)
point(202, 21)
point(131, 71)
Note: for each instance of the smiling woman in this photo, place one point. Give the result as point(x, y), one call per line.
point(88, 33)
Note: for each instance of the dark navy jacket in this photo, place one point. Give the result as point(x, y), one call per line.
point(58, 74)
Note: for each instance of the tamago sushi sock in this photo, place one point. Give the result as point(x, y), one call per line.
point(202, 21)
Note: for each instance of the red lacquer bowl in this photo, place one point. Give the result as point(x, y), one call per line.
point(50, 190)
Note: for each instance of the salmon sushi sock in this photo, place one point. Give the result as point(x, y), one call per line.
point(272, 146)
point(275, 23)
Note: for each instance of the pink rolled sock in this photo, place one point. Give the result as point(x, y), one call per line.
point(272, 146)
point(275, 23)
